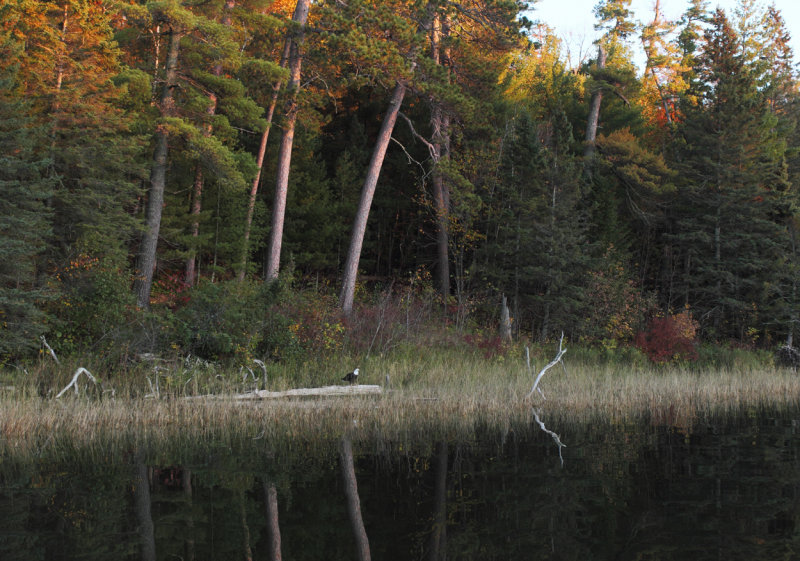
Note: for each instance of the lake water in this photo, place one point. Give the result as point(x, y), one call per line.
point(718, 489)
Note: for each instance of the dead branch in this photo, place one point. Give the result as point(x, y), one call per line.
point(551, 433)
point(50, 350)
point(431, 148)
point(74, 382)
point(561, 351)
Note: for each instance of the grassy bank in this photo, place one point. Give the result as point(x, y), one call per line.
point(430, 395)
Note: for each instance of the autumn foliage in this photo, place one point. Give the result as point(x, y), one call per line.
point(669, 338)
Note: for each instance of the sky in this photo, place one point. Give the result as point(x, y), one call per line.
point(574, 20)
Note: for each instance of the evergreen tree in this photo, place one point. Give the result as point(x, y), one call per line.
point(24, 217)
point(734, 188)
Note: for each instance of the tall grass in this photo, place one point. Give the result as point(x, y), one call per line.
point(431, 394)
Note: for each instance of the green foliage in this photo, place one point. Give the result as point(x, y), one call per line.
point(734, 194)
point(713, 357)
point(24, 218)
point(94, 306)
point(616, 308)
point(223, 320)
point(700, 209)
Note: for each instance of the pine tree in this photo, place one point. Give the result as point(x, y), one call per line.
point(24, 217)
point(195, 43)
point(734, 189)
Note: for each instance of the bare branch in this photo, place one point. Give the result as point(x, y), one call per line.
point(561, 351)
point(74, 382)
point(426, 142)
point(551, 433)
point(411, 159)
point(50, 350)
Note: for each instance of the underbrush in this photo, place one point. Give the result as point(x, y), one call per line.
point(176, 380)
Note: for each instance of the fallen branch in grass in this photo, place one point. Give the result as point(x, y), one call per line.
point(561, 351)
point(74, 382)
point(301, 392)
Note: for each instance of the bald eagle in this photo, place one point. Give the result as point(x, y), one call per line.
point(352, 377)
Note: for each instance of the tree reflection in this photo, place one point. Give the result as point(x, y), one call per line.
point(718, 488)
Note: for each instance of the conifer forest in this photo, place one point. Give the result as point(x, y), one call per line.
point(270, 179)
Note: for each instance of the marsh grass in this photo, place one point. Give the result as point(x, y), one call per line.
point(432, 395)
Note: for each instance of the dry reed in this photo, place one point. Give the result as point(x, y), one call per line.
point(444, 397)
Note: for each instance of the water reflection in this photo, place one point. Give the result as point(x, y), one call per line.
point(724, 489)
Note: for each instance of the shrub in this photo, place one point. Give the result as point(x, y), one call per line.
point(94, 304)
point(669, 339)
point(223, 320)
point(616, 307)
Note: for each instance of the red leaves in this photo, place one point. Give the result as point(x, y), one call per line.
point(669, 339)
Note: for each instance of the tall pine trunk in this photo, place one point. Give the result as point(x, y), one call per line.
point(285, 151)
point(440, 124)
point(146, 259)
point(262, 150)
point(199, 182)
point(367, 193)
point(594, 112)
point(196, 206)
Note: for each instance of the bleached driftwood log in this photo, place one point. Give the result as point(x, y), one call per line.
point(300, 392)
point(74, 382)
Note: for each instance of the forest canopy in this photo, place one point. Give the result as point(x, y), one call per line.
point(256, 178)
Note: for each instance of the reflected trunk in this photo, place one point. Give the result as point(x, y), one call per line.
point(144, 517)
point(353, 502)
point(273, 528)
point(248, 551)
point(437, 549)
point(186, 482)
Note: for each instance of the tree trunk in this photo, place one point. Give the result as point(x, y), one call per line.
point(353, 503)
point(190, 272)
point(367, 193)
point(440, 125)
point(247, 550)
point(146, 260)
point(594, 112)
point(262, 150)
point(61, 55)
point(141, 495)
point(437, 550)
point(186, 483)
point(505, 321)
point(285, 151)
point(273, 528)
point(197, 191)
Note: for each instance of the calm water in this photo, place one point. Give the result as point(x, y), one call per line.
point(723, 489)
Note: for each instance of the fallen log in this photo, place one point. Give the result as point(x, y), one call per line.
point(302, 392)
